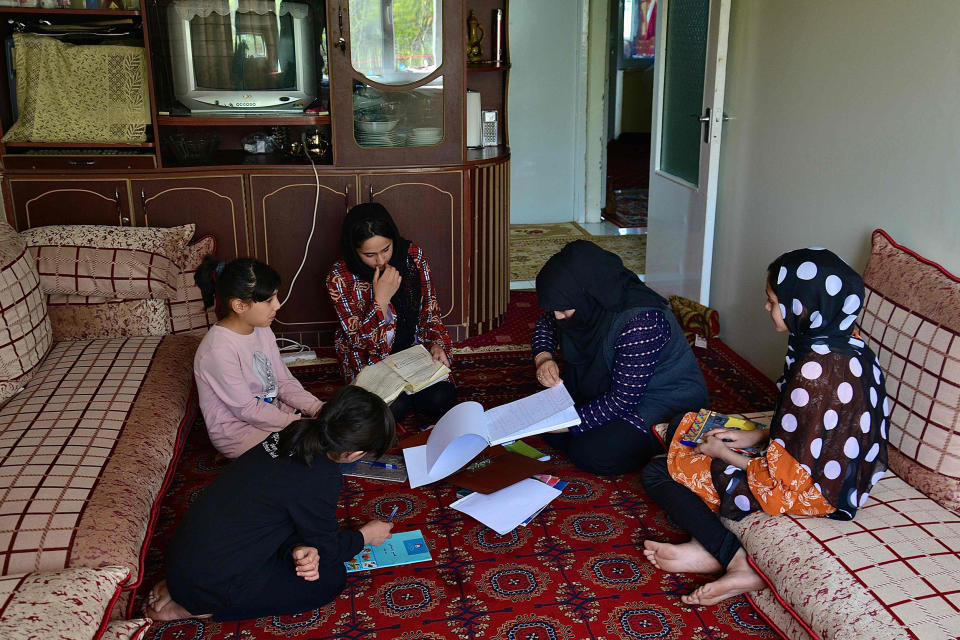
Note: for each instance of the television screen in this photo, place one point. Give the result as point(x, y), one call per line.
point(254, 53)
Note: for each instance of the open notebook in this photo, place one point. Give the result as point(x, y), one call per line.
point(466, 430)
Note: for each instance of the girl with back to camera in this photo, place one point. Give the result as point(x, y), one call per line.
point(827, 437)
point(382, 291)
point(245, 390)
point(263, 538)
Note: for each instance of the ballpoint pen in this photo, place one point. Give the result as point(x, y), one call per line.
point(393, 513)
point(375, 463)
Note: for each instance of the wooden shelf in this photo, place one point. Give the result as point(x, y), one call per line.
point(484, 154)
point(79, 145)
point(242, 121)
point(99, 13)
point(487, 67)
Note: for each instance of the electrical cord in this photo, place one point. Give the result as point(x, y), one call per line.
point(302, 348)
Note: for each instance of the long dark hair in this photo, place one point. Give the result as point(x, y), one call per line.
point(246, 279)
point(363, 222)
point(353, 420)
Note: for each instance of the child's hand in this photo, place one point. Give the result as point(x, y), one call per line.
point(738, 438)
point(376, 532)
point(307, 561)
point(713, 447)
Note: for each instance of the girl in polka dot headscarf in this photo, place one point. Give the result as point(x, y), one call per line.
point(827, 438)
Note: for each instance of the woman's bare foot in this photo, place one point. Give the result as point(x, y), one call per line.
point(162, 607)
point(688, 557)
point(739, 578)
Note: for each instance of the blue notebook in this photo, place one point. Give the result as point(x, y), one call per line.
point(405, 547)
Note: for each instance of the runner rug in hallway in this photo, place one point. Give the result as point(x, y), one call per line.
point(630, 208)
point(531, 245)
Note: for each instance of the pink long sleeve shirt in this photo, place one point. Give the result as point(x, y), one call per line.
point(246, 391)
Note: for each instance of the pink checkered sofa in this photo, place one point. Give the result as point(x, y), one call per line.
point(894, 571)
point(97, 334)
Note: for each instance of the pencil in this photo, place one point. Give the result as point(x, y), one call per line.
point(393, 513)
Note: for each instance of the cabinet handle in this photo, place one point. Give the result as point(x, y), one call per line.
point(143, 203)
point(341, 42)
point(346, 194)
point(371, 194)
point(81, 163)
point(116, 199)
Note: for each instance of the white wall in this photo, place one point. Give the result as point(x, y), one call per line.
point(847, 119)
point(546, 110)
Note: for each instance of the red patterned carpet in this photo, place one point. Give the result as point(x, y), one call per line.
point(575, 572)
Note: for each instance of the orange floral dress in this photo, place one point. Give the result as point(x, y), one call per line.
point(777, 481)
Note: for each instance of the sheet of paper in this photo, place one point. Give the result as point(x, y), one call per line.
point(565, 418)
point(456, 439)
point(459, 453)
point(416, 366)
point(504, 510)
point(515, 419)
point(381, 381)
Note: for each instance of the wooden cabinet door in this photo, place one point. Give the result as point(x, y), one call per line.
point(213, 203)
point(282, 213)
point(428, 210)
point(54, 200)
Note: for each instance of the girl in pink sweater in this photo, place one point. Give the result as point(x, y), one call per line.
point(246, 391)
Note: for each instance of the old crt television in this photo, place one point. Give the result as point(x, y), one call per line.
point(246, 55)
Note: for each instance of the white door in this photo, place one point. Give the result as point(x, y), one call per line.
point(690, 68)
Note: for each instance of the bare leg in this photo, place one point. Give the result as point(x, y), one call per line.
point(162, 607)
point(739, 578)
point(688, 557)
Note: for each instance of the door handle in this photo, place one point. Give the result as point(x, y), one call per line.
point(341, 43)
point(705, 119)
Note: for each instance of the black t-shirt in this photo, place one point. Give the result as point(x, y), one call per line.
point(257, 508)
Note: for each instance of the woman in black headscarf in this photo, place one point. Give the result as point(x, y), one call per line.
point(626, 362)
point(827, 438)
point(383, 294)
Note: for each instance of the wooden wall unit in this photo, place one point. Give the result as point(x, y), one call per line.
point(452, 201)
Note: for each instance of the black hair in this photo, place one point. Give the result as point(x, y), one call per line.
point(373, 219)
point(353, 420)
point(246, 279)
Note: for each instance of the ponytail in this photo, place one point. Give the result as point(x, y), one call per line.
point(353, 420)
point(246, 279)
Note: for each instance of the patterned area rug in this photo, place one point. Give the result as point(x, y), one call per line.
point(576, 572)
point(531, 245)
point(630, 208)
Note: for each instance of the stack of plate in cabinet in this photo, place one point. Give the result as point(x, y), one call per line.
point(423, 136)
point(385, 139)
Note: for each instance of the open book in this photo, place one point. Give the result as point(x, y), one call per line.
point(409, 370)
point(466, 430)
point(705, 420)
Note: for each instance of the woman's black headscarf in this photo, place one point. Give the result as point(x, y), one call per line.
point(371, 219)
point(594, 282)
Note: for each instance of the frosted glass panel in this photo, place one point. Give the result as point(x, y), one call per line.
point(396, 41)
point(685, 50)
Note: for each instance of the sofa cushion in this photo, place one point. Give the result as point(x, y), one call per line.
point(893, 572)
point(88, 317)
point(25, 335)
point(911, 319)
point(187, 312)
point(70, 604)
point(86, 451)
point(115, 262)
point(126, 629)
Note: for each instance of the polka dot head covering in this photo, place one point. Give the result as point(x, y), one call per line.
point(832, 411)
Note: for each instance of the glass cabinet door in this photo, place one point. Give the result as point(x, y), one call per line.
point(397, 80)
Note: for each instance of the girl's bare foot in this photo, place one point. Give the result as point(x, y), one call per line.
point(739, 578)
point(161, 606)
point(688, 557)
